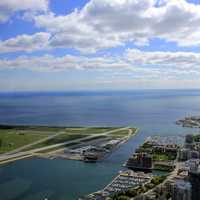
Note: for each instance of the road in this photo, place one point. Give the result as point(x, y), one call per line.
point(12, 157)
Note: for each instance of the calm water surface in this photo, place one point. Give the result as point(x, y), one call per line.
point(154, 112)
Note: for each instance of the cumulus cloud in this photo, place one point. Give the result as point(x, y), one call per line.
point(37, 41)
point(72, 32)
point(9, 7)
point(105, 24)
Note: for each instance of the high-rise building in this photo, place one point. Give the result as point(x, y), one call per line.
point(184, 154)
point(189, 139)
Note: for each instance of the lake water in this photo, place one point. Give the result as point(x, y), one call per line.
point(153, 111)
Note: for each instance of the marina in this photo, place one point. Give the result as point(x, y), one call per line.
point(124, 181)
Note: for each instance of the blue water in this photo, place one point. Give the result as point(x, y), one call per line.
point(153, 111)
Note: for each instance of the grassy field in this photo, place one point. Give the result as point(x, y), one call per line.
point(11, 139)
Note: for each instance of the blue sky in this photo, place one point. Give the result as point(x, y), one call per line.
point(99, 44)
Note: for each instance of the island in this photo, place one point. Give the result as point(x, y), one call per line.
point(88, 144)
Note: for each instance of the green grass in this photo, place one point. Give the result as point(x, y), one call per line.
point(163, 157)
point(11, 139)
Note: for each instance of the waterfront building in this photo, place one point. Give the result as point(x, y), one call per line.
point(181, 190)
point(140, 161)
point(189, 139)
point(184, 154)
point(189, 142)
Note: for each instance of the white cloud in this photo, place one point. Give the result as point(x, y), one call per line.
point(134, 64)
point(9, 7)
point(70, 32)
point(164, 60)
point(104, 24)
point(24, 42)
point(52, 63)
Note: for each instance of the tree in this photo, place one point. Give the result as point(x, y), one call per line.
point(123, 198)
